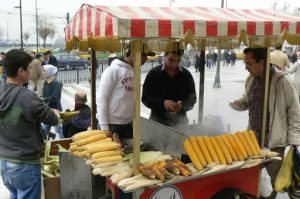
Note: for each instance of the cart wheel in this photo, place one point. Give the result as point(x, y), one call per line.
point(231, 193)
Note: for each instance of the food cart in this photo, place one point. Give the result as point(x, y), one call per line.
point(102, 28)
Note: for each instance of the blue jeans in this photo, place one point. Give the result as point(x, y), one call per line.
point(58, 130)
point(22, 180)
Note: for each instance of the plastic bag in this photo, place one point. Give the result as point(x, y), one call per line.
point(265, 187)
point(294, 189)
point(284, 178)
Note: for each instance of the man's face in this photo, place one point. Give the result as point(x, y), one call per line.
point(172, 61)
point(255, 68)
point(24, 74)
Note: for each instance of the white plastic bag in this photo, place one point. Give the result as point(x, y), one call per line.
point(265, 187)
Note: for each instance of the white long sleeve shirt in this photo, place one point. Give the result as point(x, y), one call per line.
point(115, 101)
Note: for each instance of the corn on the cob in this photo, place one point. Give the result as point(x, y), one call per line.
point(245, 144)
point(196, 148)
point(218, 150)
point(94, 138)
point(191, 153)
point(116, 158)
point(82, 148)
point(224, 149)
point(250, 143)
point(229, 148)
point(235, 147)
point(204, 150)
point(211, 149)
point(254, 140)
point(240, 145)
point(106, 154)
point(103, 147)
point(85, 134)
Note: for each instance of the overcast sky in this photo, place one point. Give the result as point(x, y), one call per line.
point(56, 10)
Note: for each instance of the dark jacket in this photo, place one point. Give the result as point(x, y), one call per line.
point(21, 114)
point(52, 94)
point(159, 86)
point(52, 60)
point(78, 123)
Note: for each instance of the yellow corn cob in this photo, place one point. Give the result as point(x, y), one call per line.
point(229, 148)
point(235, 147)
point(211, 149)
point(94, 138)
point(240, 145)
point(85, 134)
point(191, 153)
point(218, 150)
point(103, 154)
point(245, 144)
point(83, 154)
point(224, 149)
point(73, 147)
point(205, 152)
point(197, 149)
point(106, 146)
point(250, 143)
point(254, 140)
point(117, 158)
point(82, 148)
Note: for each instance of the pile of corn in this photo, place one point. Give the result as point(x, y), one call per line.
point(223, 149)
point(96, 146)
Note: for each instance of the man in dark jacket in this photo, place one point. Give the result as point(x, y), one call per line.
point(21, 114)
point(169, 91)
point(51, 59)
point(81, 122)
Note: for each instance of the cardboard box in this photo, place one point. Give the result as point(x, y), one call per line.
point(52, 188)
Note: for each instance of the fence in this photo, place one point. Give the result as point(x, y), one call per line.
point(83, 75)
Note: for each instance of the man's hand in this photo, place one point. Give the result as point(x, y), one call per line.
point(235, 105)
point(169, 105)
point(173, 107)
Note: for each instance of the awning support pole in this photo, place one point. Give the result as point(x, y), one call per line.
point(93, 88)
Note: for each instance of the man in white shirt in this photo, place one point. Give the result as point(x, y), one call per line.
point(115, 100)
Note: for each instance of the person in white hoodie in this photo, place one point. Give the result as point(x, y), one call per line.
point(115, 101)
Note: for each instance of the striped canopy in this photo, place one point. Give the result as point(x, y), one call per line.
point(104, 28)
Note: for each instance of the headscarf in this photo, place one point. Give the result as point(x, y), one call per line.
point(50, 70)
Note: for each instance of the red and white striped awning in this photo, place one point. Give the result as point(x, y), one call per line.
point(124, 22)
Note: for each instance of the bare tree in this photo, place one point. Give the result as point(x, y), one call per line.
point(297, 11)
point(1, 32)
point(274, 6)
point(45, 29)
point(285, 7)
point(26, 36)
point(51, 35)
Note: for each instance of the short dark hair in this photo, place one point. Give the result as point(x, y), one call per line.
point(258, 53)
point(14, 60)
point(3, 53)
point(179, 52)
point(49, 52)
point(278, 47)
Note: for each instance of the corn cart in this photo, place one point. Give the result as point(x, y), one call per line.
point(102, 28)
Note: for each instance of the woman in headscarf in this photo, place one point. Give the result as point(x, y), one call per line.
point(52, 93)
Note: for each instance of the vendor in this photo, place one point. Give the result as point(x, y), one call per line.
point(169, 91)
point(115, 100)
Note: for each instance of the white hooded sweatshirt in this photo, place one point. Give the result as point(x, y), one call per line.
point(115, 101)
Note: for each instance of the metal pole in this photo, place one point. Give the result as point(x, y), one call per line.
point(93, 89)
point(201, 86)
point(36, 26)
point(21, 25)
point(217, 82)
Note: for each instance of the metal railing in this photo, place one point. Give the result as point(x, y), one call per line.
point(83, 75)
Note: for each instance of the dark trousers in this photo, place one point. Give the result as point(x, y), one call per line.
point(125, 131)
